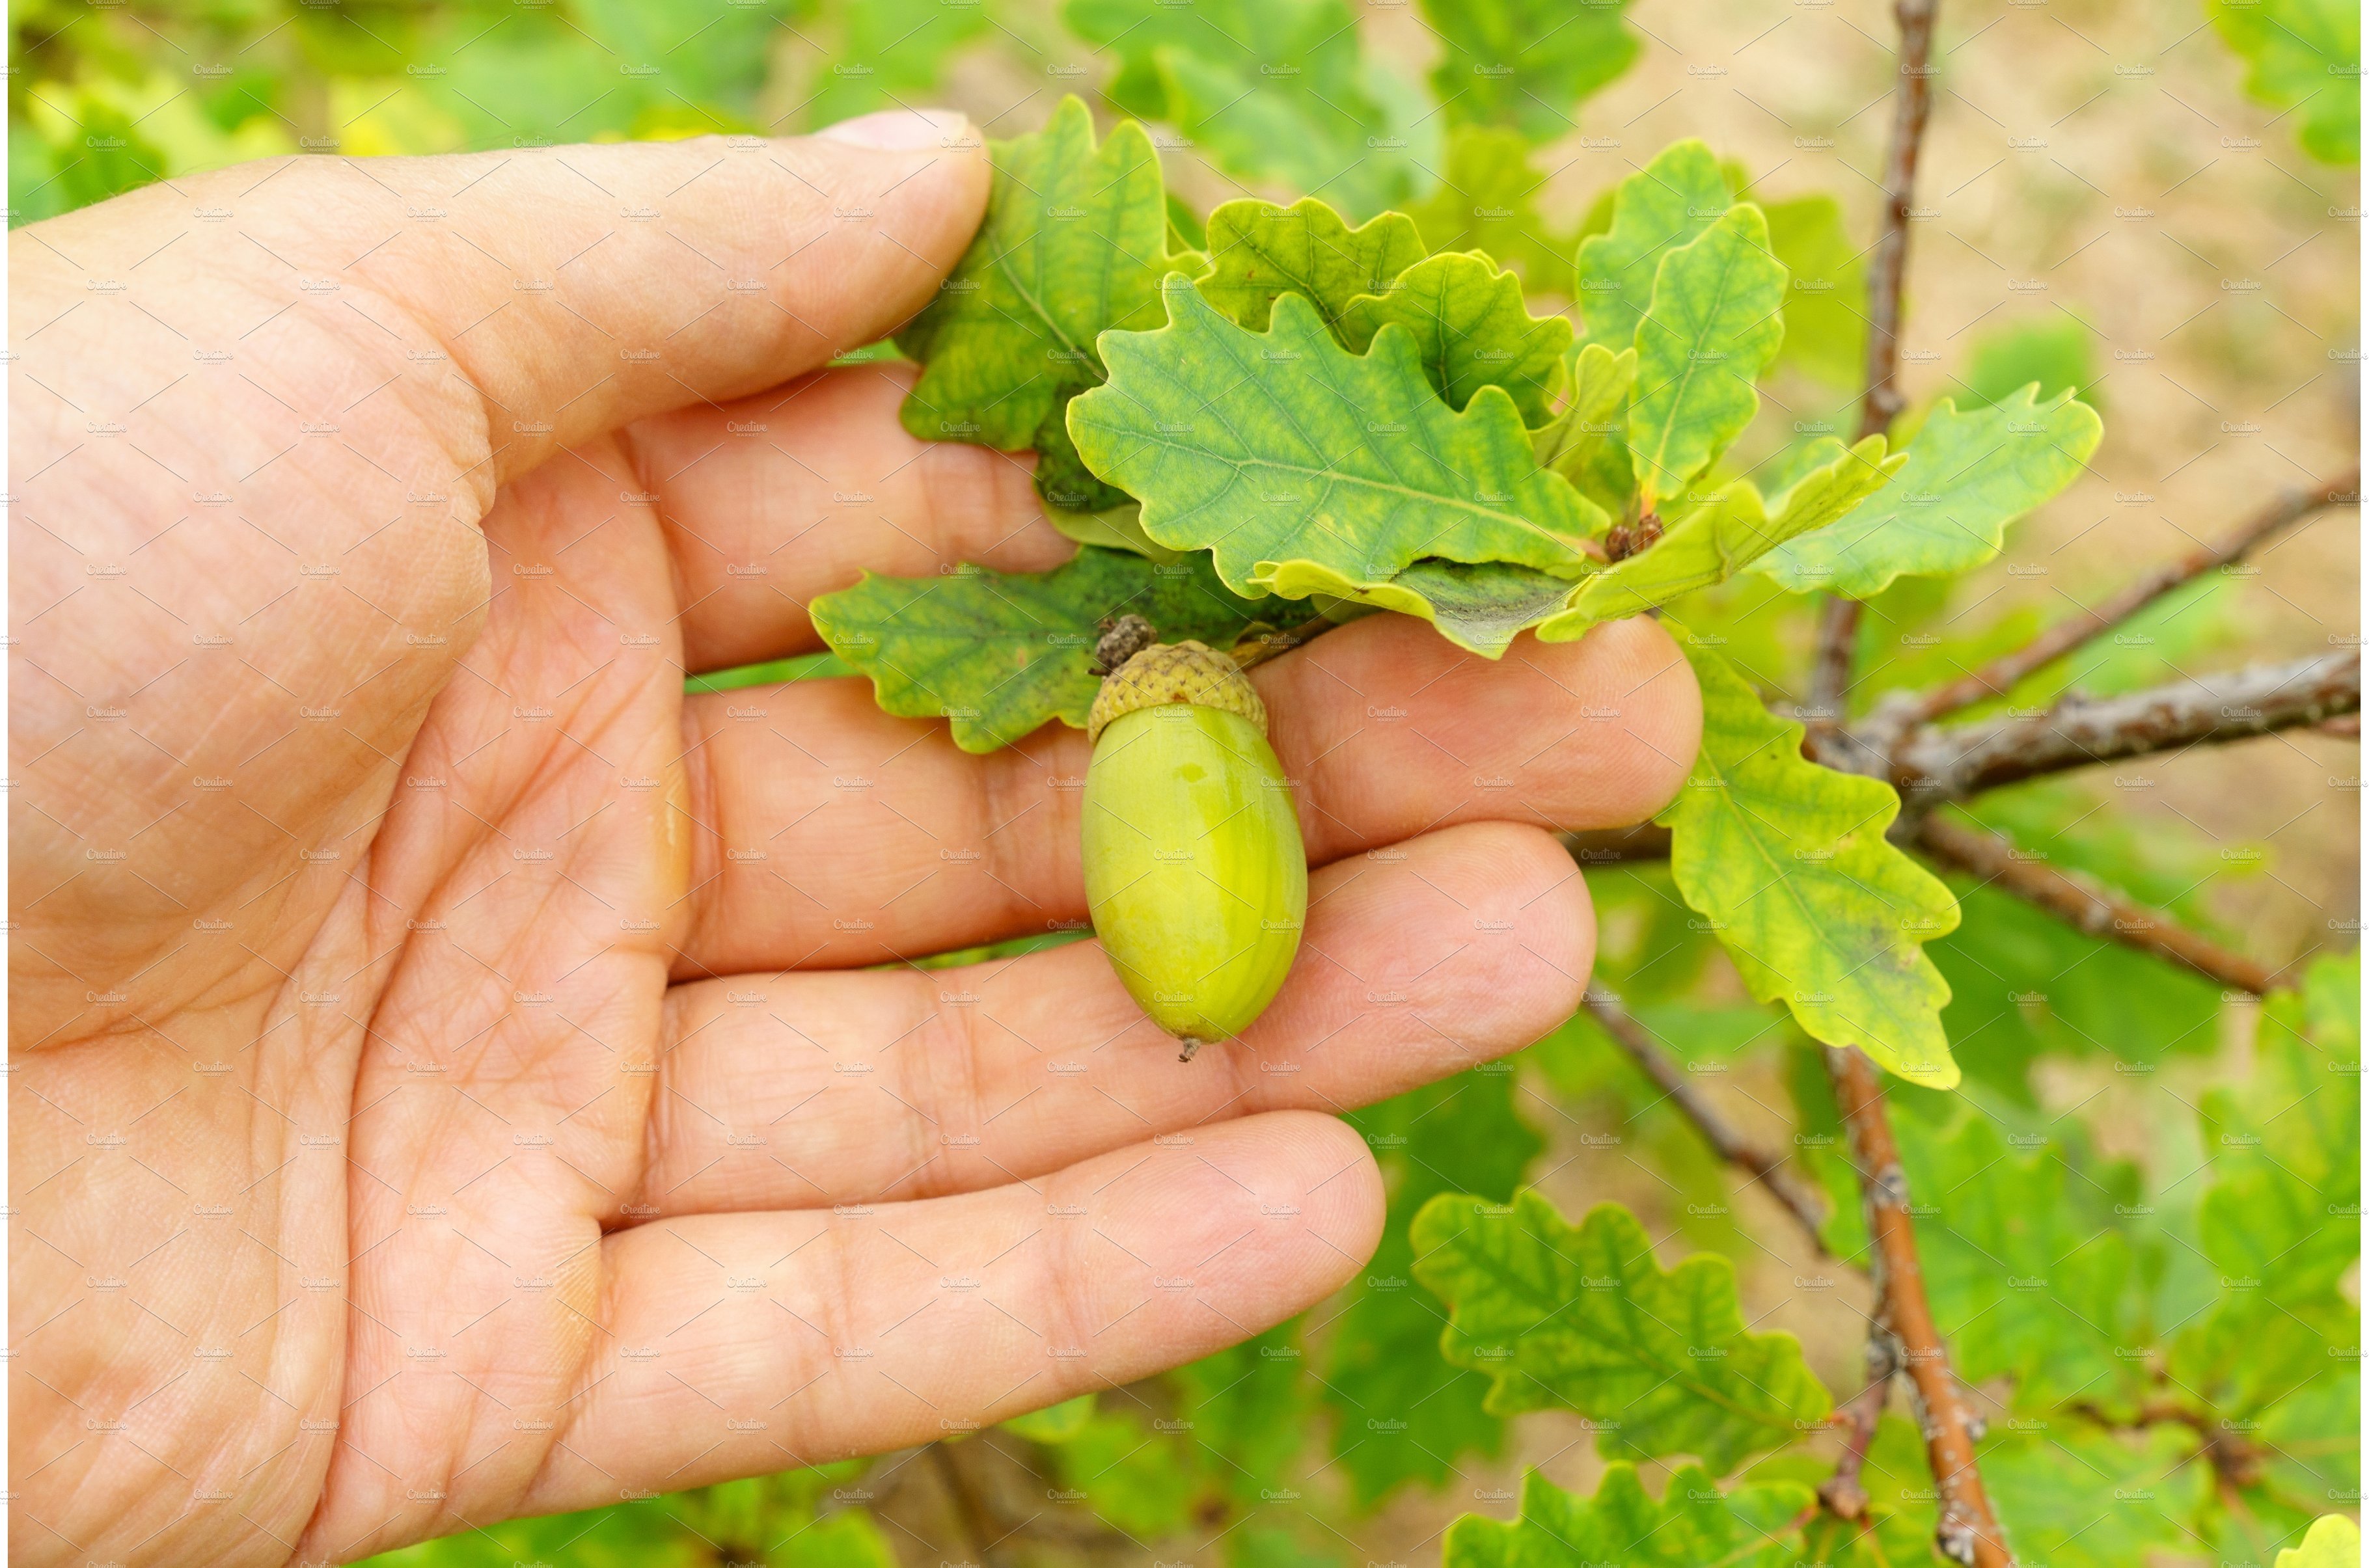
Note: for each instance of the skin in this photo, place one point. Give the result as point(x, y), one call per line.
point(447, 1084)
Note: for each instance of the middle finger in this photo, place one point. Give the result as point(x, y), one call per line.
point(832, 834)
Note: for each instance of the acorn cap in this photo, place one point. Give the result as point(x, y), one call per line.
point(1176, 672)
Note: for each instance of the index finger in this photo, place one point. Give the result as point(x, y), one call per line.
point(578, 288)
point(598, 285)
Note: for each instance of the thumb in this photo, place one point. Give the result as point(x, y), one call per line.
point(576, 289)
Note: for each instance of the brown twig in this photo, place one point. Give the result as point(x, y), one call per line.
point(1938, 764)
point(2001, 676)
point(2237, 1461)
point(1882, 401)
point(1724, 1139)
point(2096, 909)
point(1254, 650)
point(1834, 654)
point(1843, 1494)
point(1968, 1533)
point(1942, 765)
point(1609, 846)
point(970, 1507)
point(1830, 667)
point(1830, 673)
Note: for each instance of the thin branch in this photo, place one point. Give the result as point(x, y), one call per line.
point(2237, 1461)
point(970, 1507)
point(1836, 651)
point(2001, 676)
point(1830, 672)
point(1725, 1141)
point(1911, 107)
point(1609, 846)
point(1937, 763)
point(1252, 651)
point(1941, 765)
point(1968, 1533)
point(2097, 910)
point(1843, 1494)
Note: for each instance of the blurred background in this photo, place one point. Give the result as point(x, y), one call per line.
point(2157, 205)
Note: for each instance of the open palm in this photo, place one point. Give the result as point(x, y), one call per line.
point(459, 1075)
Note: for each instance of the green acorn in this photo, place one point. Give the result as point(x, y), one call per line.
point(1194, 871)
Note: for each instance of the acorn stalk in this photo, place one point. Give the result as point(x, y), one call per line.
point(1194, 871)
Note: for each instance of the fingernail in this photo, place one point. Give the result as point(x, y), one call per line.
point(901, 130)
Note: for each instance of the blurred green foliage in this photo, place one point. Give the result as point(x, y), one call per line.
point(797, 1517)
point(2055, 354)
point(106, 99)
point(2302, 57)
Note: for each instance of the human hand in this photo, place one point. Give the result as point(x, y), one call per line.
point(448, 1084)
